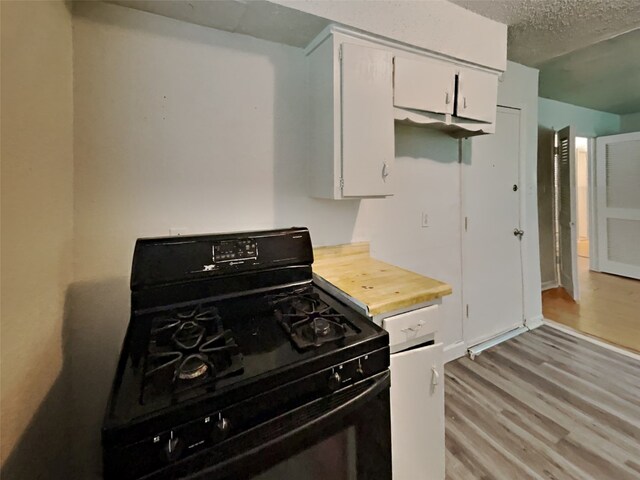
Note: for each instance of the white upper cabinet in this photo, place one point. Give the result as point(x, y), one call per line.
point(368, 150)
point(352, 148)
point(437, 93)
point(477, 95)
point(424, 84)
point(359, 85)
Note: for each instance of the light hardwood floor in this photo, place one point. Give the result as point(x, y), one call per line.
point(544, 405)
point(609, 307)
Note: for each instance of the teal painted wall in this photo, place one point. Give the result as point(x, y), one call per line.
point(630, 123)
point(588, 123)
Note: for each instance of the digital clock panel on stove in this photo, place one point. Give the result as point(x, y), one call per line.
point(235, 250)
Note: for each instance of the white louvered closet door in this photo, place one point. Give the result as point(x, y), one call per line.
point(567, 211)
point(618, 202)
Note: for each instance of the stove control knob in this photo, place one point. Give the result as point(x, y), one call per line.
point(360, 370)
point(173, 448)
point(334, 381)
point(221, 429)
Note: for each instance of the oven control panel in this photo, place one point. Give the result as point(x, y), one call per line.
point(167, 260)
point(230, 251)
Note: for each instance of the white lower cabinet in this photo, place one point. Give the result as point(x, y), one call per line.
point(417, 414)
point(417, 395)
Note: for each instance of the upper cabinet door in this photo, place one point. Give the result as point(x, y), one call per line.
point(424, 84)
point(477, 95)
point(368, 149)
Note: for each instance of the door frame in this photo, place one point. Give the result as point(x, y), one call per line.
point(594, 263)
point(465, 151)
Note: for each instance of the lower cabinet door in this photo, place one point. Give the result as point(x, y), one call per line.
point(417, 414)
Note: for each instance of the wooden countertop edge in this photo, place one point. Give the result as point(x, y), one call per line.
point(347, 253)
point(416, 300)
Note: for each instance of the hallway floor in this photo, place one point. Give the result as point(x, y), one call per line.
point(544, 405)
point(609, 307)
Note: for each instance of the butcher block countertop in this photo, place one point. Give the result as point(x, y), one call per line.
point(381, 287)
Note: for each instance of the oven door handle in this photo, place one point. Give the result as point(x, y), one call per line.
point(240, 450)
point(310, 414)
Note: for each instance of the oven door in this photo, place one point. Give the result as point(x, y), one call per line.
point(343, 436)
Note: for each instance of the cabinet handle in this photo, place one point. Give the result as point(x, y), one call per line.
point(385, 171)
point(435, 377)
point(464, 102)
point(447, 100)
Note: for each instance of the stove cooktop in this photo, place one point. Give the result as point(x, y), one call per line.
point(219, 351)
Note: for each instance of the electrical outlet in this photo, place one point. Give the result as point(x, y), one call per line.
point(177, 231)
point(425, 219)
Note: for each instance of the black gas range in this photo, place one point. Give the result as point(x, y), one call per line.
point(236, 365)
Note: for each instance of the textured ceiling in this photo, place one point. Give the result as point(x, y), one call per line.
point(604, 76)
point(543, 29)
point(588, 51)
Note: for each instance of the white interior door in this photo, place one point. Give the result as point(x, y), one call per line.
point(618, 204)
point(567, 211)
point(491, 264)
point(417, 414)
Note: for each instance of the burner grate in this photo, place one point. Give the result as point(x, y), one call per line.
point(310, 322)
point(188, 348)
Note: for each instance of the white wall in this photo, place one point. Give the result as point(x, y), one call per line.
point(427, 176)
point(37, 216)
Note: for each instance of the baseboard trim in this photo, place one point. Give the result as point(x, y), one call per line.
point(590, 339)
point(497, 340)
point(454, 351)
point(535, 322)
point(549, 285)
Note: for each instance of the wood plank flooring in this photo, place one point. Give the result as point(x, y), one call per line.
point(609, 307)
point(544, 405)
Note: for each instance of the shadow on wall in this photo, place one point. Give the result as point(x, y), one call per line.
point(43, 450)
point(97, 323)
point(62, 441)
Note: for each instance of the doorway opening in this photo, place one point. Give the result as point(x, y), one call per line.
point(572, 209)
point(594, 192)
point(582, 202)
